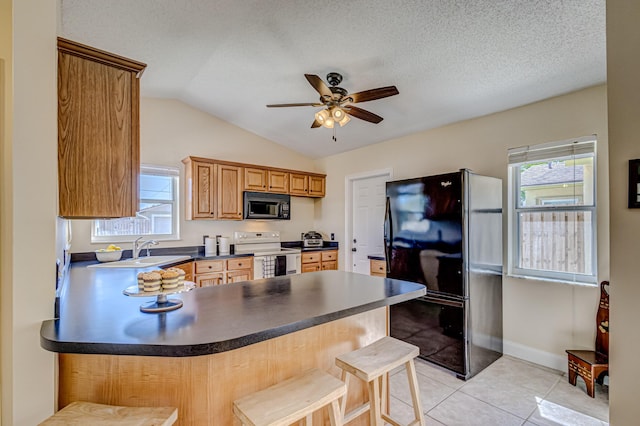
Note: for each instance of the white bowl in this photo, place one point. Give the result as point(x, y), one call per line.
point(108, 256)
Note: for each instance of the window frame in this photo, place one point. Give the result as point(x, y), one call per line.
point(514, 209)
point(147, 169)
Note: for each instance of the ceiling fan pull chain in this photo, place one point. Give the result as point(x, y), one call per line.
point(334, 135)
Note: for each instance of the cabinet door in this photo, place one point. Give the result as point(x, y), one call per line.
point(229, 196)
point(298, 184)
point(237, 276)
point(255, 179)
point(98, 133)
point(278, 181)
point(202, 182)
point(331, 265)
point(316, 186)
point(310, 267)
point(208, 280)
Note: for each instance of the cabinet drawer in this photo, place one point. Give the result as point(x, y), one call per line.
point(378, 267)
point(329, 255)
point(241, 263)
point(206, 266)
point(311, 257)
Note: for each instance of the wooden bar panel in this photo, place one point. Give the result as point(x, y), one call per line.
point(204, 387)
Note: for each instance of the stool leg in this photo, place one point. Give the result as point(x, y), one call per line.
point(343, 401)
point(384, 407)
point(415, 391)
point(374, 401)
point(335, 417)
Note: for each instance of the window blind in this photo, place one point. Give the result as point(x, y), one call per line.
point(552, 150)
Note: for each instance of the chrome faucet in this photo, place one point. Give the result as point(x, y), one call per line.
point(138, 247)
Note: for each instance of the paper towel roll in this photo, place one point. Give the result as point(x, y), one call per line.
point(209, 247)
point(223, 245)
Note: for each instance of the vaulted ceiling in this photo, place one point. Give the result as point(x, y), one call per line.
point(451, 60)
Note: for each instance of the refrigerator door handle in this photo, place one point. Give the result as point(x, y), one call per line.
point(388, 235)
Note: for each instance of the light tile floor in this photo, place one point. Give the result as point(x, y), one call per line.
point(508, 392)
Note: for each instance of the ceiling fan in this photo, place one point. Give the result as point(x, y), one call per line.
point(338, 101)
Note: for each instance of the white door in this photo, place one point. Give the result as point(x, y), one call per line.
point(367, 219)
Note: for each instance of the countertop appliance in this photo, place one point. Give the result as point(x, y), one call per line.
point(264, 205)
point(269, 258)
point(445, 232)
point(312, 239)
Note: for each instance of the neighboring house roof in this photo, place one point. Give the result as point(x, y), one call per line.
point(550, 173)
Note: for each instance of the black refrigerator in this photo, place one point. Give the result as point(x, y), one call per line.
point(445, 232)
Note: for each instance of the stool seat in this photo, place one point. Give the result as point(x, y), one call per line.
point(89, 413)
point(371, 364)
point(292, 400)
point(382, 356)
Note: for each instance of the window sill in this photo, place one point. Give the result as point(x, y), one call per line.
point(552, 280)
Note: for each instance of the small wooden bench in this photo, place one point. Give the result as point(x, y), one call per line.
point(89, 413)
point(371, 364)
point(292, 400)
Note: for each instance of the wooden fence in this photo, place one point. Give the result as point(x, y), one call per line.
point(556, 241)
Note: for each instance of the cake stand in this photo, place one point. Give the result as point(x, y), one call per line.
point(162, 303)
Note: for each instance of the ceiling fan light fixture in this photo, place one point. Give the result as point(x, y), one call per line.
point(344, 120)
point(322, 116)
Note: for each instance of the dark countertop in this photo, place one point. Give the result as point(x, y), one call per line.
point(97, 318)
point(376, 256)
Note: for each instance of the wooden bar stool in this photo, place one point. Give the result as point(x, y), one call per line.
point(89, 413)
point(371, 364)
point(292, 400)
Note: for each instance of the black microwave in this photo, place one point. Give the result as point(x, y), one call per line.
point(263, 205)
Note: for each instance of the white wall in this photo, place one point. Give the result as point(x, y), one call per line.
point(623, 68)
point(541, 319)
point(170, 131)
point(29, 188)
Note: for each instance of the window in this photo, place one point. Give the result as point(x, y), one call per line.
point(552, 214)
point(157, 216)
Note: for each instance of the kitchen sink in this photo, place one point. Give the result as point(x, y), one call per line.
point(141, 262)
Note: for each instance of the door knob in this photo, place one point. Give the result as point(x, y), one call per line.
point(354, 249)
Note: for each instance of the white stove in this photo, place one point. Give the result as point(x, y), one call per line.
point(269, 258)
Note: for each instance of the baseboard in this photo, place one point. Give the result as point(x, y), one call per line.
point(536, 356)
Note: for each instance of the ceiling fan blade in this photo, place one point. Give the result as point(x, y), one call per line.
point(319, 85)
point(315, 104)
point(362, 114)
point(315, 124)
point(373, 94)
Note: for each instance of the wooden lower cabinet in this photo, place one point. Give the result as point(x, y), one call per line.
point(377, 268)
point(324, 260)
point(224, 271)
point(187, 267)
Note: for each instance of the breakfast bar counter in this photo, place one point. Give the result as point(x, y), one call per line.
point(225, 342)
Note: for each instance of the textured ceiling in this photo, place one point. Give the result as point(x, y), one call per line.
point(450, 59)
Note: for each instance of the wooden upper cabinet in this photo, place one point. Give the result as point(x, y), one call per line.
point(255, 179)
point(278, 181)
point(200, 180)
point(316, 186)
point(298, 184)
point(98, 132)
point(229, 191)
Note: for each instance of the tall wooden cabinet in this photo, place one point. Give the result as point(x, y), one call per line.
point(213, 190)
point(98, 132)
point(229, 191)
